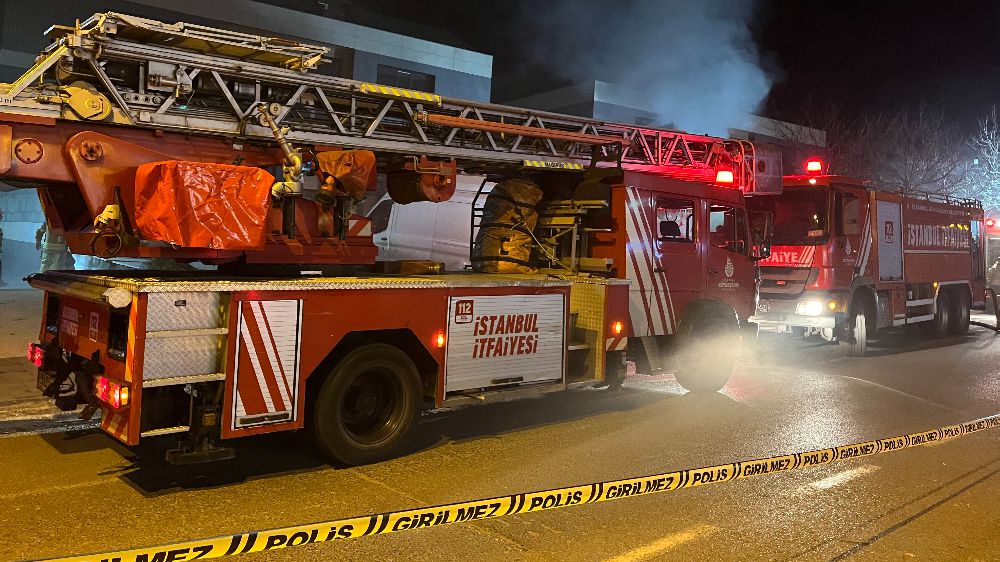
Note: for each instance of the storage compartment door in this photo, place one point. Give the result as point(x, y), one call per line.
point(504, 340)
point(890, 241)
point(267, 379)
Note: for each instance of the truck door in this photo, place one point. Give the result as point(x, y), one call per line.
point(677, 270)
point(728, 271)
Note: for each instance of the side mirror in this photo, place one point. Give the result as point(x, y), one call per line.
point(761, 227)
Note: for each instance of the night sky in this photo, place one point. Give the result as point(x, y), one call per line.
point(862, 55)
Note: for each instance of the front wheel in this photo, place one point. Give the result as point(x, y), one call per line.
point(857, 337)
point(708, 353)
point(367, 405)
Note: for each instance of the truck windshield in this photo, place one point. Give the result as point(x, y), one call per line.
point(800, 217)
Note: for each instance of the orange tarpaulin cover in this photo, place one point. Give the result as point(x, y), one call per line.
point(202, 205)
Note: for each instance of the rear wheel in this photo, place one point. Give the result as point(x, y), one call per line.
point(708, 352)
point(960, 318)
point(939, 326)
point(367, 405)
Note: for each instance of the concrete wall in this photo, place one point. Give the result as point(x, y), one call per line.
point(447, 83)
point(22, 217)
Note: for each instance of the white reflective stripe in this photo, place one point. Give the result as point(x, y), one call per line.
point(272, 356)
point(640, 309)
point(641, 238)
point(920, 302)
point(255, 362)
point(240, 410)
point(962, 282)
point(915, 319)
point(866, 244)
point(899, 322)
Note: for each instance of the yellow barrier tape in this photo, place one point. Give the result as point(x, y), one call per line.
point(378, 524)
point(553, 165)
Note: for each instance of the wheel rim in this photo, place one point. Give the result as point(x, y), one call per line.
point(860, 330)
point(372, 406)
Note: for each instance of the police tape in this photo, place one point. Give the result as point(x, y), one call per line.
point(492, 508)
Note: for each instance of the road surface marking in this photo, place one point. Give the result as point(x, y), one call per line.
point(907, 394)
point(57, 488)
point(843, 477)
point(668, 542)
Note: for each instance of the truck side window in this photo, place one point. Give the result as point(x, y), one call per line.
point(675, 220)
point(849, 213)
point(728, 228)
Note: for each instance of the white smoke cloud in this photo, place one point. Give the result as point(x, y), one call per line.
point(693, 61)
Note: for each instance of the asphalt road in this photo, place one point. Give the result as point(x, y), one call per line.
point(75, 492)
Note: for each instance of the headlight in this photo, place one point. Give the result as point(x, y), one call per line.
point(809, 308)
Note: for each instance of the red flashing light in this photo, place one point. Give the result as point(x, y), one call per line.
point(617, 328)
point(814, 166)
point(990, 223)
point(439, 339)
point(724, 177)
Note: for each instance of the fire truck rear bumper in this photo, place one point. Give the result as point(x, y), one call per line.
point(784, 322)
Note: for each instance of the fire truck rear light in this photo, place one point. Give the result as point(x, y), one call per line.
point(990, 223)
point(439, 339)
point(111, 393)
point(36, 354)
point(617, 328)
point(814, 166)
point(724, 177)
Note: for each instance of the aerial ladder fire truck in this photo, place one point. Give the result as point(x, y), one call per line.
point(850, 259)
point(194, 144)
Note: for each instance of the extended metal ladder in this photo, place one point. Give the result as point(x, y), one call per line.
point(203, 80)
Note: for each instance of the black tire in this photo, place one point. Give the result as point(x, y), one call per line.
point(367, 405)
point(961, 315)
point(938, 327)
point(708, 351)
point(856, 343)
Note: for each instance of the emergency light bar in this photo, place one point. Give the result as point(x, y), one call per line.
point(814, 166)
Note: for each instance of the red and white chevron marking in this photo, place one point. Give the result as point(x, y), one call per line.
point(357, 226)
point(617, 343)
point(651, 306)
point(267, 362)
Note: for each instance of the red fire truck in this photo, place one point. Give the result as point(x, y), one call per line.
point(153, 140)
point(849, 260)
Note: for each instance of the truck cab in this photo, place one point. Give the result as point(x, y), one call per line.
point(818, 249)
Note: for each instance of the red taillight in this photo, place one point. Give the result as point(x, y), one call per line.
point(724, 177)
point(814, 166)
point(617, 328)
point(990, 223)
point(36, 354)
point(111, 393)
point(439, 339)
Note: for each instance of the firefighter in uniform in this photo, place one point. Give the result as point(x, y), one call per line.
point(55, 254)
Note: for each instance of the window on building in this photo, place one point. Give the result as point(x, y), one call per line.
point(402, 78)
point(675, 220)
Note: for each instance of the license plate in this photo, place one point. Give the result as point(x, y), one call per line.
point(44, 380)
point(763, 306)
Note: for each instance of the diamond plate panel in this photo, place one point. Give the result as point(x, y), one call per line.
point(183, 311)
point(179, 356)
point(586, 301)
